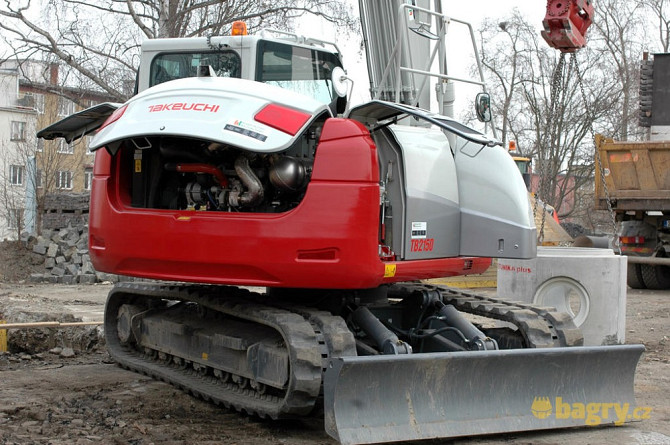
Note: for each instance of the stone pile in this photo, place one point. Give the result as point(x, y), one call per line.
point(65, 209)
point(66, 258)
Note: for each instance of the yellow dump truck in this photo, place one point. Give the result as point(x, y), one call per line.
point(637, 178)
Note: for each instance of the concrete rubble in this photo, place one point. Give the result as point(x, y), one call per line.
point(64, 242)
point(66, 258)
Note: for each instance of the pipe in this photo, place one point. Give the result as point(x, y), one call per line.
point(653, 260)
point(254, 193)
point(48, 324)
point(200, 168)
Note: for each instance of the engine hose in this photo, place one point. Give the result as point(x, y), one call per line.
point(200, 168)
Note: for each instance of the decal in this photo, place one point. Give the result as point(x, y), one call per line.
point(184, 106)
point(389, 270)
point(419, 230)
point(422, 245)
point(246, 129)
point(623, 157)
point(516, 269)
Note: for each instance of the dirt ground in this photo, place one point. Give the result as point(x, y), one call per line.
point(47, 397)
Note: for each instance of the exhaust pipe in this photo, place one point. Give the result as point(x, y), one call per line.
point(254, 193)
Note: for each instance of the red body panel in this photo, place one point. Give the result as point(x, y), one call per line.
point(330, 240)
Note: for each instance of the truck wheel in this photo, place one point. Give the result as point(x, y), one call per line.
point(634, 277)
point(655, 277)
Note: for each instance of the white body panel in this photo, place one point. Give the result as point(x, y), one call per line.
point(216, 109)
point(429, 164)
point(431, 211)
point(494, 204)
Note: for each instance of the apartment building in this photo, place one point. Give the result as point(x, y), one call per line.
point(31, 98)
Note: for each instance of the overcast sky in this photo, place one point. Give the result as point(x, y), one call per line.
point(473, 11)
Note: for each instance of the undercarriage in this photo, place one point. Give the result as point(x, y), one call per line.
point(270, 354)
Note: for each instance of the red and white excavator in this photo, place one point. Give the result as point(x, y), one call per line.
point(290, 234)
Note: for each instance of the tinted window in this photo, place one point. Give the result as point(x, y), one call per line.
point(303, 70)
point(166, 67)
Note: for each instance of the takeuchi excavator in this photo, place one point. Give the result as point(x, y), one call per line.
point(287, 235)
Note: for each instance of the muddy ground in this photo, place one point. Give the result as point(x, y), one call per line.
point(50, 396)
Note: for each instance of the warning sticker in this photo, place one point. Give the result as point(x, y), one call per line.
point(245, 129)
point(419, 230)
point(389, 270)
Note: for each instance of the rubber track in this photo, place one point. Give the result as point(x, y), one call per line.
point(541, 327)
point(299, 336)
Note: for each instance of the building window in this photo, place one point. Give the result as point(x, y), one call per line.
point(14, 218)
point(38, 178)
point(64, 180)
point(64, 147)
point(88, 178)
point(18, 131)
point(65, 106)
point(39, 102)
point(16, 174)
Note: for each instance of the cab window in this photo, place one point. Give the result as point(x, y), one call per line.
point(303, 70)
point(171, 66)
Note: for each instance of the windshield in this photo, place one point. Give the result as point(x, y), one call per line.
point(171, 66)
point(303, 70)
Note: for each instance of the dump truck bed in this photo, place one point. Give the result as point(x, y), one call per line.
point(637, 174)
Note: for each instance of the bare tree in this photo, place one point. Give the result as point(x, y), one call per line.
point(13, 186)
point(619, 32)
point(99, 39)
point(555, 131)
point(31, 168)
point(661, 11)
point(514, 37)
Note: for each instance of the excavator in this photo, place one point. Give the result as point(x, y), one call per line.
point(284, 237)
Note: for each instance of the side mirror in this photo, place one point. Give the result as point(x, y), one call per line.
point(483, 107)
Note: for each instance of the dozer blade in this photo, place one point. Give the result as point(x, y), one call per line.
point(423, 396)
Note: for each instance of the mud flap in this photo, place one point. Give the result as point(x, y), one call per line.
point(440, 395)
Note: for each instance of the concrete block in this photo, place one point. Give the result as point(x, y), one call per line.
point(58, 271)
point(72, 269)
point(40, 249)
point(589, 284)
point(87, 279)
point(69, 252)
point(60, 259)
point(36, 277)
point(87, 268)
point(52, 251)
point(68, 279)
point(50, 263)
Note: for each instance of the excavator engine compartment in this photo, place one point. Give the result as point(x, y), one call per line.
point(176, 173)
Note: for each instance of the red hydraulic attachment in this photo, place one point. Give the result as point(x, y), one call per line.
point(566, 23)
